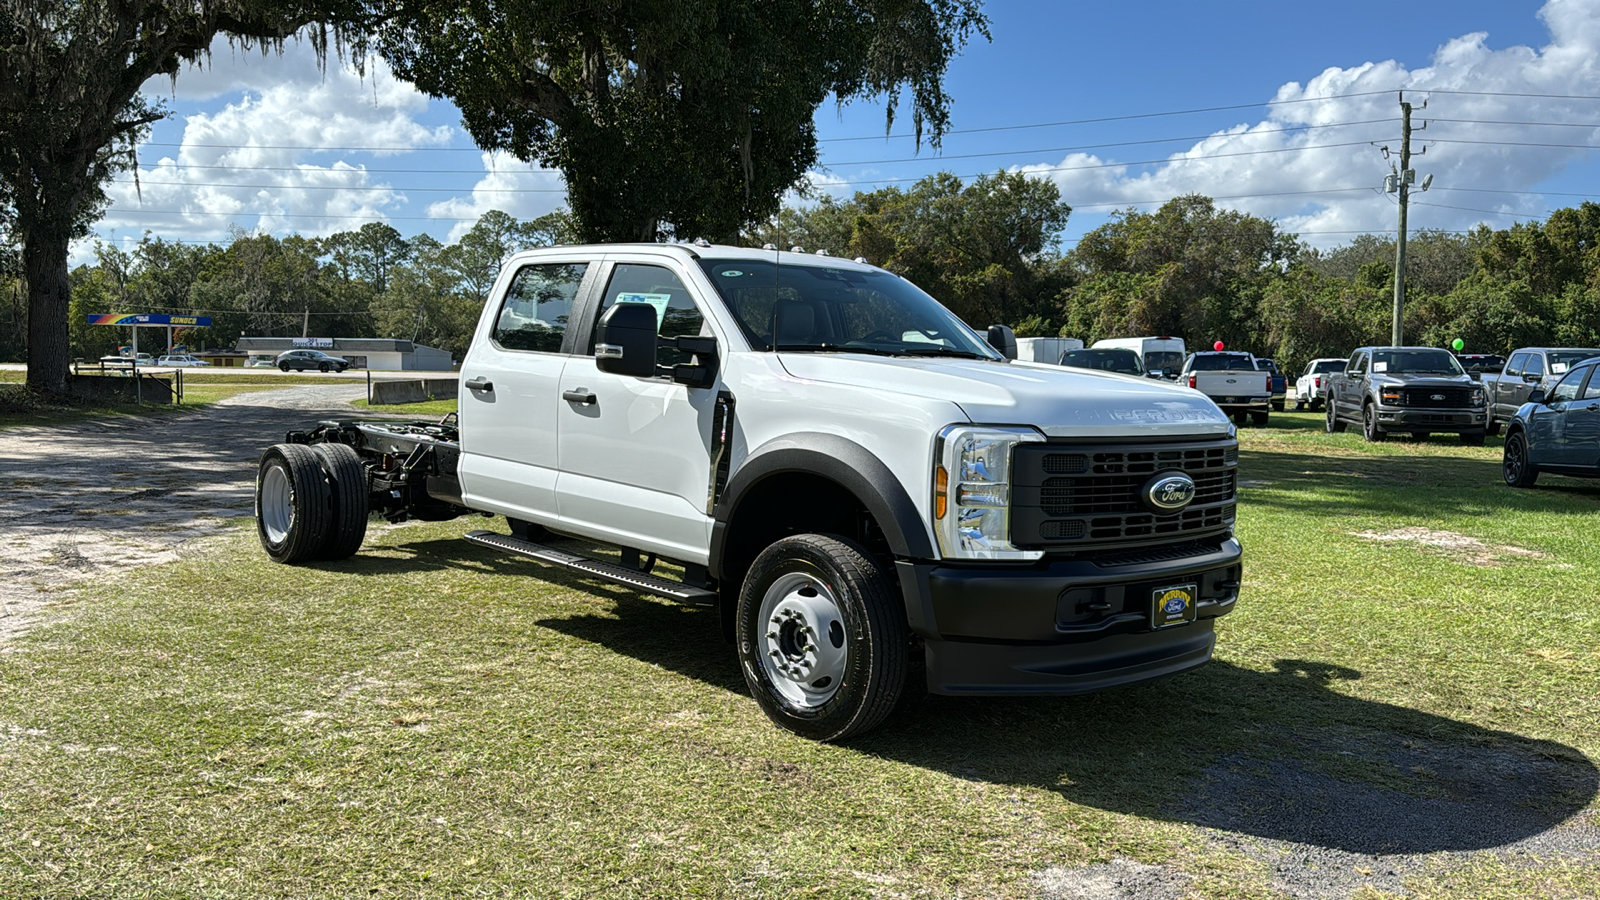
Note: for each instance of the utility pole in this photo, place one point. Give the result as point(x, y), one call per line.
point(1401, 181)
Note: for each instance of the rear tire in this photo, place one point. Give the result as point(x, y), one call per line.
point(1316, 405)
point(1472, 439)
point(347, 477)
point(322, 367)
point(1259, 418)
point(1369, 425)
point(1515, 466)
point(283, 367)
point(292, 504)
point(1240, 418)
point(1277, 405)
point(822, 637)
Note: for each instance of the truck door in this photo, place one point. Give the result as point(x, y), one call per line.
point(1350, 393)
point(1509, 387)
point(636, 453)
point(509, 394)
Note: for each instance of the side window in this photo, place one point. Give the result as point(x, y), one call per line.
point(534, 313)
point(1567, 388)
point(1592, 392)
point(1535, 365)
point(1357, 364)
point(1518, 360)
point(676, 312)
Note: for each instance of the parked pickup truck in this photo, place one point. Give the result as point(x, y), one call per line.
point(1232, 381)
point(1280, 382)
point(1309, 388)
point(1420, 390)
point(849, 474)
point(1527, 369)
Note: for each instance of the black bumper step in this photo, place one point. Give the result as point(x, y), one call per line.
point(661, 587)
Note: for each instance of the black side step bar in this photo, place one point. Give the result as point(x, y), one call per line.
point(662, 587)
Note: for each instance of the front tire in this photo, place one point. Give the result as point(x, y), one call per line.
point(1493, 428)
point(1332, 422)
point(822, 637)
point(1515, 466)
point(1369, 424)
point(1472, 439)
point(292, 504)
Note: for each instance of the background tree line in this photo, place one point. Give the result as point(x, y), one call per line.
point(989, 249)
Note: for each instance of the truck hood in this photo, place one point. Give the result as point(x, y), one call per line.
point(1405, 380)
point(1061, 402)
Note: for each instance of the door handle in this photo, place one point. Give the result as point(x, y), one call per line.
point(579, 396)
point(480, 384)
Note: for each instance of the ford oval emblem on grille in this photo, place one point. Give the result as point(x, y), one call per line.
point(1168, 493)
point(1436, 397)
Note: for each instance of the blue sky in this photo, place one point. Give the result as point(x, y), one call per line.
point(271, 144)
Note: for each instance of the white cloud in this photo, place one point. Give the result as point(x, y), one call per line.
point(1307, 143)
point(518, 189)
point(291, 150)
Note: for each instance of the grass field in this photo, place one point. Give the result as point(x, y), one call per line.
point(1413, 670)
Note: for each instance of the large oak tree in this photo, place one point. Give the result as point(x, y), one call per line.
point(71, 111)
point(686, 117)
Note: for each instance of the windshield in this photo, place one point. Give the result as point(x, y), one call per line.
point(1416, 362)
point(1165, 360)
point(1105, 360)
point(1562, 360)
point(817, 308)
point(1217, 362)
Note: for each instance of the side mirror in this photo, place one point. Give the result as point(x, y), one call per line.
point(1002, 338)
point(625, 341)
point(1537, 396)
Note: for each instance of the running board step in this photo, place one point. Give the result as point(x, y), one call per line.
point(662, 587)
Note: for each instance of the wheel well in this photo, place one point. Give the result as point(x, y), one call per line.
point(796, 503)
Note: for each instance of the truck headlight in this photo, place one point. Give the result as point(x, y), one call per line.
point(1477, 396)
point(972, 491)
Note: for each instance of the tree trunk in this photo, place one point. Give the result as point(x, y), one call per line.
point(44, 268)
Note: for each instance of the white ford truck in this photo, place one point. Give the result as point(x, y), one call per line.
point(852, 476)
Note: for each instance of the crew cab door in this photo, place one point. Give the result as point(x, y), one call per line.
point(510, 394)
point(1349, 392)
point(636, 453)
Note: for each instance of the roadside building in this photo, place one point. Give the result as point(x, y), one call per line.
point(364, 353)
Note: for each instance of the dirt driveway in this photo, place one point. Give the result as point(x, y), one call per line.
point(97, 497)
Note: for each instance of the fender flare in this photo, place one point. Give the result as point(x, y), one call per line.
point(842, 461)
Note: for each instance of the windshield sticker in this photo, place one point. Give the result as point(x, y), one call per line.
point(659, 301)
point(1556, 368)
point(1380, 367)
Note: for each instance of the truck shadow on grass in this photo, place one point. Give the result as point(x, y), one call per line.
point(1281, 755)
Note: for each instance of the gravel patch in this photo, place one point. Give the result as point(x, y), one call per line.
point(1460, 547)
point(94, 498)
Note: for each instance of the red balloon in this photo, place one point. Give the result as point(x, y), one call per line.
point(1217, 346)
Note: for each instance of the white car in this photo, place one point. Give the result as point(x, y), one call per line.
point(182, 361)
point(1311, 388)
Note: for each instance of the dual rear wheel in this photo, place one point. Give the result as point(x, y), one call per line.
point(311, 502)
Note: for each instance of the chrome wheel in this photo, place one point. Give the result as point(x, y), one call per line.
point(804, 644)
point(276, 505)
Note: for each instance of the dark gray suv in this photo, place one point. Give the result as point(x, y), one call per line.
point(301, 360)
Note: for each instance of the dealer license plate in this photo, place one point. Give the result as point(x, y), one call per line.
point(1173, 605)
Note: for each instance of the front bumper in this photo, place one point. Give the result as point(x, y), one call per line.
point(1421, 420)
point(1065, 626)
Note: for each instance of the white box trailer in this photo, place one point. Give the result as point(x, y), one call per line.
point(1044, 349)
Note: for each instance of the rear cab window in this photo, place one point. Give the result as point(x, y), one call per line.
point(537, 306)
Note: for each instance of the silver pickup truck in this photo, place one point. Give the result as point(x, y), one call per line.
point(1528, 368)
point(1233, 383)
